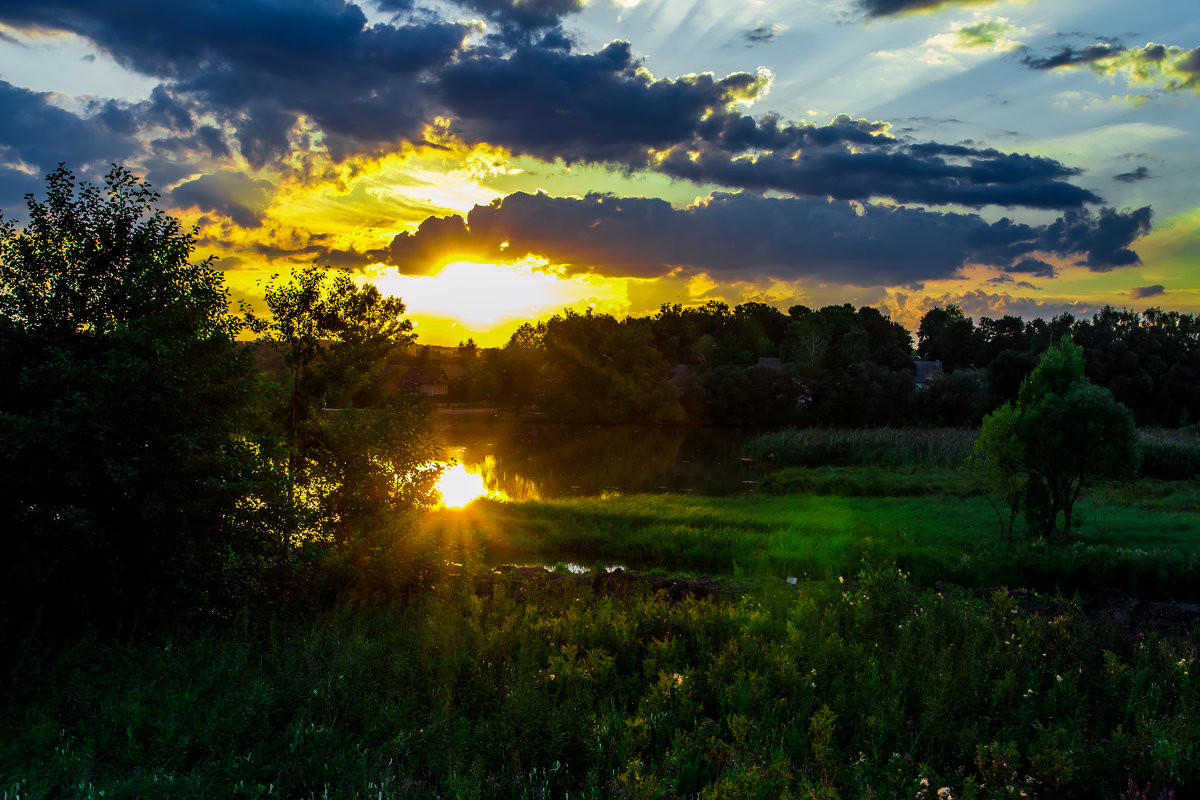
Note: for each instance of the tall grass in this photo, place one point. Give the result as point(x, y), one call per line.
point(870, 688)
point(939, 448)
point(1169, 454)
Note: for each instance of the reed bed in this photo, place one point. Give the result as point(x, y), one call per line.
point(936, 448)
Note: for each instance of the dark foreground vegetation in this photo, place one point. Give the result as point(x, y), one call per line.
point(213, 586)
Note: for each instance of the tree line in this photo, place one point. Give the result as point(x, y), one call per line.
point(834, 366)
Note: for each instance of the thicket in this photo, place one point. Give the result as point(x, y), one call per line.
point(149, 472)
point(872, 687)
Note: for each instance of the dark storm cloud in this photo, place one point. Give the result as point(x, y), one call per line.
point(234, 194)
point(1071, 56)
point(599, 107)
point(1139, 174)
point(580, 107)
point(256, 67)
point(884, 8)
point(1142, 292)
point(903, 173)
point(749, 236)
point(261, 64)
point(310, 253)
point(526, 15)
point(41, 135)
point(1033, 266)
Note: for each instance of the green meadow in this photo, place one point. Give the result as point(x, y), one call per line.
point(916, 655)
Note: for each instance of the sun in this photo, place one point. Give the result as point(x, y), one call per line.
point(459, 487)
point(479, 294)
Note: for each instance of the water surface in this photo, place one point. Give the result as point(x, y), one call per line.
point(545, 460)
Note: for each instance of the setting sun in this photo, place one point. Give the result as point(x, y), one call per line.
point(478, 294)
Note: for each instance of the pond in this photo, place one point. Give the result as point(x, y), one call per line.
point(546, 460)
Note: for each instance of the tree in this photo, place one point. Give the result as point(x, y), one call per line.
point(332, 335)
point(998, 457)
point(130, 469)
point(1063, 433)
point(360, 468)
point(949, 335)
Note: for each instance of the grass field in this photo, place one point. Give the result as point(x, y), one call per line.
point(909, 660)
point(1146, 543)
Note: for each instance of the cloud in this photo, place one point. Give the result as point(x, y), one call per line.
point(1139, 174)
point(986, 35)
point(885, 8)
point(1033, 266)
point(1142, 292)
point(762, 34)
point(854, 168)
point(519, 19)
point(582, 107)
point(978, 303)
point(1167, 68)
point(748, 236)
point(234, 194)
point(1071, 56)
point(266, 78)
point(37, 135)
point(260, 65)
point(1171, 69)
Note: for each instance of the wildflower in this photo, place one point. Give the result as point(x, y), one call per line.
point(678, 679)
point(944, 793)
point(924, 783)
point(1058, 678)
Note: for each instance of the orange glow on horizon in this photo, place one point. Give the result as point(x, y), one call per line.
point(487, 301)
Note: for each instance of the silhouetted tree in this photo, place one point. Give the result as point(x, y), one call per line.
point(130, 473)
point(948, 335)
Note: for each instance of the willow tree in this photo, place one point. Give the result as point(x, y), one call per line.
point(1063, 433)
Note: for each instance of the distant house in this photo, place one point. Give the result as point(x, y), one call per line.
point(927, 373)
point(424, 381)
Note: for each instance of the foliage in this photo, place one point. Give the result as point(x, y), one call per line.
point(130, 473)
point(948, 335)
point(1063, 433)
point(999, 458)
point(367, 467)
point(332, 335)
point(1168, 455)
point(500, 689)
point(350, 471)
point(1070, 431)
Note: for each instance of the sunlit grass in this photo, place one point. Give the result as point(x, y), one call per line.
point(1150, 551)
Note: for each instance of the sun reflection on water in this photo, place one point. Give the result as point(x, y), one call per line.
point(459, 487)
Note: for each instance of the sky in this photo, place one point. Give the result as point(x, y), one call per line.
point(495, 161)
